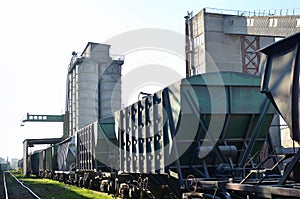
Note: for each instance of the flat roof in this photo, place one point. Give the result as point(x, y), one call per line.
point(43, 141)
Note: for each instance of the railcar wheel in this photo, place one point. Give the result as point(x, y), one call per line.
point(104, 186)
point(111, 188)
point(91, 184)
point(81, 183)
point(86, 183)
point(191, 183)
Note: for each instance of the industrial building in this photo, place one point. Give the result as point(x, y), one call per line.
point(228, 40)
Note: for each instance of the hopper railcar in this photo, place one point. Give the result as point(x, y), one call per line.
point(33, 160)
point(97, 156)
point(193, 137)
point(48, 162)
point(66, 153)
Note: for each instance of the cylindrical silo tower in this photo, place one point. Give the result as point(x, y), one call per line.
point(94, 88)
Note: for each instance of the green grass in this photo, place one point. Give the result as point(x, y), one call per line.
point(50, 189)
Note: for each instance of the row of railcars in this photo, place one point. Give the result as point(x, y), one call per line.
point(202, 137)
point(189, 137)
point(87, 159)
point(43, 163)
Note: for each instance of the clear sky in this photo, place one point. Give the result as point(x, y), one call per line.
point(37, 39)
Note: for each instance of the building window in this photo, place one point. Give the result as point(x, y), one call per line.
point(298, 23)
point(198, 70)
point(195, 27)
point(273, 22)
point(250, 22)
point(199, 40)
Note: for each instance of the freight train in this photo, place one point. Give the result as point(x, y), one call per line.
point(202, 137)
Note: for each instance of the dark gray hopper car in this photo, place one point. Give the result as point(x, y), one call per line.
point(33, 163)
point(48, 162)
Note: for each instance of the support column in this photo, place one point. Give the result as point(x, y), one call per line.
point(25, 156)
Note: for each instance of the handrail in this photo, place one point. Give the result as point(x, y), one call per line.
point(266, 12)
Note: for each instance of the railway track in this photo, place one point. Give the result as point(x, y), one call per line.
point(12, 188)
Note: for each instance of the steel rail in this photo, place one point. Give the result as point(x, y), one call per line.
point(4, 185)
point(29, 190)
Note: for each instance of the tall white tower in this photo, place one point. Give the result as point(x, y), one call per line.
point(94, 86)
